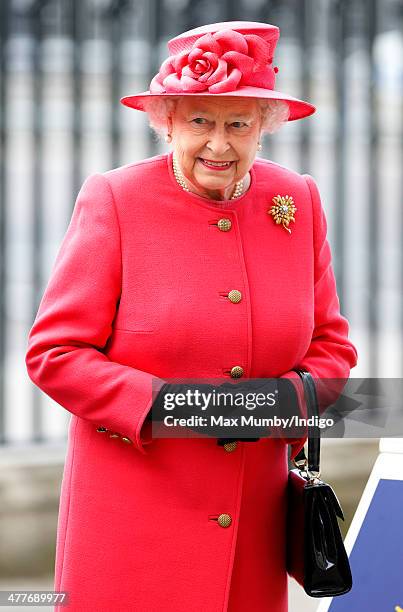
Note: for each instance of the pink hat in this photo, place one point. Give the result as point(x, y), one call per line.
point(232, 58)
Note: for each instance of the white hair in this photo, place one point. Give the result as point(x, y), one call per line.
point(274, 113)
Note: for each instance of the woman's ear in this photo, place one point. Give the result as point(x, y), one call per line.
point(169, 123)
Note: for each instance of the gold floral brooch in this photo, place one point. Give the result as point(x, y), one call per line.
point(283, 210)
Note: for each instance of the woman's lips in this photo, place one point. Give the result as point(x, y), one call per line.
point(214, 167)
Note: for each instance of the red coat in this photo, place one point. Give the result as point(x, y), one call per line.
point(139, 293)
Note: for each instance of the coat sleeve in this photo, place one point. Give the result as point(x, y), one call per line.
point(64, 355)
point(331, 354)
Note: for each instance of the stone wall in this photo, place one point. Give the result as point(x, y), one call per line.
point(30, 480)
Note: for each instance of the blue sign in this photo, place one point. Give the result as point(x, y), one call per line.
point(376, 559)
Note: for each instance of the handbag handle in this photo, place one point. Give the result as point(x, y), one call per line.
point(312, 465)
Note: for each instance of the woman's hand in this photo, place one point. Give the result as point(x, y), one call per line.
point(285, 407)
point(187, 400)
point(257, 398)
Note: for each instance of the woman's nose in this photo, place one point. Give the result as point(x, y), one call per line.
point(218, 142)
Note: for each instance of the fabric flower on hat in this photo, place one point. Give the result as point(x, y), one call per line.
point(217, 63)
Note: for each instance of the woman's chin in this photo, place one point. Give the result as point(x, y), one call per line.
point(213, 183)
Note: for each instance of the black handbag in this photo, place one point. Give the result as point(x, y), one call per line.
point(316, 557)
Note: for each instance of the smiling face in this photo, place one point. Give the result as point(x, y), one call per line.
point(215, 130)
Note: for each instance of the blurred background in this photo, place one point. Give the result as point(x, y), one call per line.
point(64, 64)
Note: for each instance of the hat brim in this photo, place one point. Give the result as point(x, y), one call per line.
point(298, 108)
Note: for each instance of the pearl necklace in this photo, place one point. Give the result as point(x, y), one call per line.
point(181, 181)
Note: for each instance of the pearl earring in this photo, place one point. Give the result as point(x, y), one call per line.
point(168, 138)
point(259, 146)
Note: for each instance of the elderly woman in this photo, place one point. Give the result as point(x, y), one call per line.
point(205, 262)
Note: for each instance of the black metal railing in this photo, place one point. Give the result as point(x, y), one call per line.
point(64, 65)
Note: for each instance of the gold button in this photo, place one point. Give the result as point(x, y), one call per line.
point(224, 520)
point(235, 296)
point(230, 446)
point(236, 371)
point(224, 225)
point(127, 440)
point(114, 435)
point(102, 429)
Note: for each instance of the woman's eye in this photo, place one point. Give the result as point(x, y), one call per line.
point(203, 121)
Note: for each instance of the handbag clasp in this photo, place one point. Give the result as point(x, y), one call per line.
point(302, 465)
